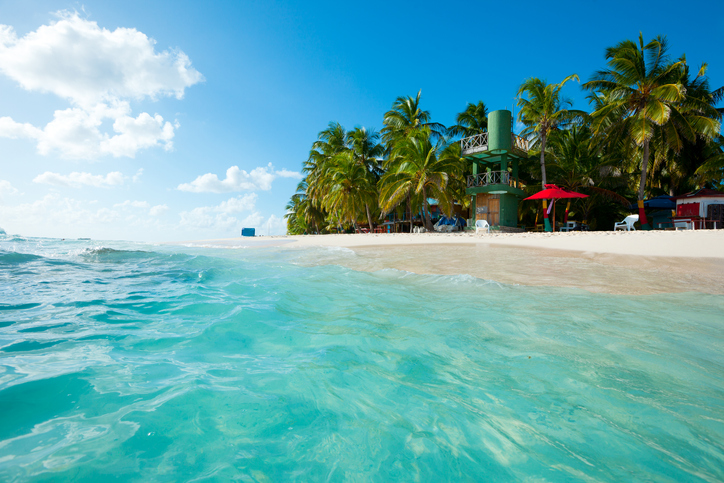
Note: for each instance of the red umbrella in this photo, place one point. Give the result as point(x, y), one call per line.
point(553, 192)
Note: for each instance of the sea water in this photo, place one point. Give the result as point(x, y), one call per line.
point(130, 362)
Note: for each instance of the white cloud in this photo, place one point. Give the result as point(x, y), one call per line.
point(285, 173)
point(76, 179)
point(63, 216)
point(77, 60)
point(97, 71)
point(14, 130)
point(60, 211)
point(137, 176)
point(158, 210)
point(133, 204)
point(237, 180)
point(144, 206)
point(219, 217)
point(6, 189)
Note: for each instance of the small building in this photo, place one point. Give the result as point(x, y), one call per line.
point(702, 208)
point(494, 184)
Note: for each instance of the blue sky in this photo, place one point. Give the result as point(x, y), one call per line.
point(120, 120)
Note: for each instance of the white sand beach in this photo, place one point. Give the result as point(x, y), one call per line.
point(639, 262)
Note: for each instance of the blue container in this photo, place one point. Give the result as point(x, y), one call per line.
point(247, 232)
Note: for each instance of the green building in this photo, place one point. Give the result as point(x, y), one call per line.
point(494, 184)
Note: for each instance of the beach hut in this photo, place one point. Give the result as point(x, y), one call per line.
point(703, 208)
point(494, 185)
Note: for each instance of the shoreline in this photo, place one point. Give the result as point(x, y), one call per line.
point(677, 244)
point(641, 262)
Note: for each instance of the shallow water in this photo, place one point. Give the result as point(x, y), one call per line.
point(155, 363)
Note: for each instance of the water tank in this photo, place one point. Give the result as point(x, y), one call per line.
point(247, 232)
point(500, 131)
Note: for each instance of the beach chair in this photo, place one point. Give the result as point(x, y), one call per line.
point(482, 225)
point(683, 225)
point(627, 223)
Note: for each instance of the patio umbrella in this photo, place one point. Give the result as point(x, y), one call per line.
point(553, 192)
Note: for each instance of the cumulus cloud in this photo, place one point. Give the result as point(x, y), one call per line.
point(137, 176)
point(77, 60)
point(53, 208)
point(158, 210)
point(77, 180)
point(237, 180)
point(143, 206)
point(97, 71)
point(132, 204)
point(6, 189)
point(219, 217)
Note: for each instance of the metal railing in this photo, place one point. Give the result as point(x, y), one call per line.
point(479, 143)
point(474, 144)
point(488, 178)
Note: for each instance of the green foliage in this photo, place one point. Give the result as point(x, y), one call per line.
point(654, 124)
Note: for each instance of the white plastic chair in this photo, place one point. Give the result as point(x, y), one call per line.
point(482, 225)
point(627, 223)
point(683, 225)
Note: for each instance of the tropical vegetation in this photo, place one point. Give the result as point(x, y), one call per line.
point(653, 127)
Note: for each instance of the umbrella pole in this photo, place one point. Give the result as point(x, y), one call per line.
point(546, 218)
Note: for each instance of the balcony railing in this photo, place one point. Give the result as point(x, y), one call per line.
point(488, 178)
point(474, 144)
point(479, 143)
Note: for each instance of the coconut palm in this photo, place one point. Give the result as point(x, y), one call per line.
point(329, 143)
point(473, 120)
point(639, 92)
point(684, 143)
point(542, 113)
point(350, 188)
point(303, 215)
point(405, 118)
point(577, 165)
point(418, 169)
point(367, 151)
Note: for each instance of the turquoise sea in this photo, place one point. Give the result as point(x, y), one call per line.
point(133, 362)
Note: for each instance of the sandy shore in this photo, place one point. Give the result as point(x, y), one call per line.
point(640, 262)
point(685, 243)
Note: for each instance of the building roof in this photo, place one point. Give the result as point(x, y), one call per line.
point(702, 193)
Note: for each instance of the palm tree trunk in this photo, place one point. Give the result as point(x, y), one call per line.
point(546, 218)
point(409, 207)
point(426, 210)
point(543, 160)
point(642, 184)
point(568, 208)
point(369, 218)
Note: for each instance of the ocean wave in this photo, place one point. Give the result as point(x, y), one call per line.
point(15, 258)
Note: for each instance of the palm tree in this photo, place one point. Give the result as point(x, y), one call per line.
point(329, 143)
point(577, 165)
point(418, 169)
point(367, 151)
point(639, 92)
point(303, 215)
point(473, 120)
point(350, 188)
point(541, 113)
point(682, 145)
point(405, 118)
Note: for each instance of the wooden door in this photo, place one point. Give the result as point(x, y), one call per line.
point(494, 210)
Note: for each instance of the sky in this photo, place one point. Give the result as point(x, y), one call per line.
point(179, 120)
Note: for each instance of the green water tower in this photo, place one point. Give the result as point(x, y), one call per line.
point(494, 184)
